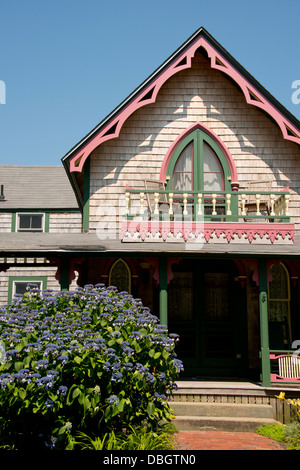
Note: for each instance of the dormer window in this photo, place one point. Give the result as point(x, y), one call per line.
point(30, 222)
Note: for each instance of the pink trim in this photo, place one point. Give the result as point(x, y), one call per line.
point(228, 230)
point(185, 133)
point(149, 94)
point(278, 378)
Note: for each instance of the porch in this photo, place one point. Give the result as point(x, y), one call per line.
point(149, 270)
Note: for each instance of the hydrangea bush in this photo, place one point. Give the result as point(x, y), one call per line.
point(87, 361)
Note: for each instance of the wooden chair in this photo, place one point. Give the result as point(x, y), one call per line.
point(264, 202)
point(156, 185)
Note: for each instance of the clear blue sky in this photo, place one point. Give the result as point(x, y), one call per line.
point(67, 64)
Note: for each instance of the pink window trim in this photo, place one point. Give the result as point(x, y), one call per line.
point(207, 130)
point(112, 129)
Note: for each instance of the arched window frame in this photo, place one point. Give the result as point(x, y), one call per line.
point(120, 260)
point(198, 137)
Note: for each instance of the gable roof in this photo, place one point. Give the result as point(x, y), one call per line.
point(36, 187)
point(255, 94)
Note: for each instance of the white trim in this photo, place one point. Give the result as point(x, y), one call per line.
point(18, 214)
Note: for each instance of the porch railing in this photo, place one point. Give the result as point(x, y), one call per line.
point(230, 206)
point(285, 366)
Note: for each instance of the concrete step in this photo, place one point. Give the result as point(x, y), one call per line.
point(192, 416)
point(228, 410)
point(200, 423)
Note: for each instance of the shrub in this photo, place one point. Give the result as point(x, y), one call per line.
point(273, 431)
point(91, 361)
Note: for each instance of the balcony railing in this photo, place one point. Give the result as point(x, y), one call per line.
point(233, 206)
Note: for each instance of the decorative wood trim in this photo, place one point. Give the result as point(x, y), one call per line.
point(227, 231)
point(148, 95)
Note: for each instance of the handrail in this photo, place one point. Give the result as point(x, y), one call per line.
point(234, 204)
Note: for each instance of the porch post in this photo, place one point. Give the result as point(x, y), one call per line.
point(264, 324)
point(163, 292)
point(64, 273)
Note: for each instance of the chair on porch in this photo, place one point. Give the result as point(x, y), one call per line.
point(257, 187)
point(156, 185)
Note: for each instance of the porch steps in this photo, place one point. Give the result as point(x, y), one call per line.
point(221, 405)
point(221, 416)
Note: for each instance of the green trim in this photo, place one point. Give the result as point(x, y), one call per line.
point(13, 222)
point(264, 326)
point(163, 291)
point(46, 222)
point(86, 197)
point(50, 211)
point(12, 279)
point(198, 137)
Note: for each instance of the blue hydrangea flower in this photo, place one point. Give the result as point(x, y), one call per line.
point(113, 400)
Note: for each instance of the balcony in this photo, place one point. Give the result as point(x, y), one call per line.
point(244, 216)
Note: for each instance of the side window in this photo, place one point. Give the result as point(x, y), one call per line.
point(120, 276)
point(20, 285)
point(30, 222)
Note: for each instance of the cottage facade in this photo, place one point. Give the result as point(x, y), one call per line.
point(187, 196)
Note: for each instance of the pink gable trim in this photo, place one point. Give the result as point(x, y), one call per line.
point(199, 125)
point(149, 94)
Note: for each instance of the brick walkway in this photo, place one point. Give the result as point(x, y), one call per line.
point(218, 440)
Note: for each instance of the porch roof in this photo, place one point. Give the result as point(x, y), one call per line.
point(40, 244)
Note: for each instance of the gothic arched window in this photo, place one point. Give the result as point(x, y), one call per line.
point(120, 276)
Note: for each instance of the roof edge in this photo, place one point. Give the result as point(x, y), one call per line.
point(221, 59)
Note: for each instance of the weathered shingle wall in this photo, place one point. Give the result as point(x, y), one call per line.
point(68, 222)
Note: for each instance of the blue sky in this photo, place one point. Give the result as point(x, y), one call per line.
point(66, 64)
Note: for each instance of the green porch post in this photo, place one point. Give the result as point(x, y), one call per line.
point(163, 292)
point(64, 273)
point(264, 324)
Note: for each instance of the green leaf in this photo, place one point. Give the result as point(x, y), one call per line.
point(76, 392)
point(86, 403)
point(62, 430)
point(151, 409)
point(121, 404)
point(18, 366)
point(22, 393)
point(165, 354)
point(92, 362)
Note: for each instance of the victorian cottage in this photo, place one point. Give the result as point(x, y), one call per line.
point(186, 196)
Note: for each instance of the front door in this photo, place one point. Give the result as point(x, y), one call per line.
point(205, 307)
